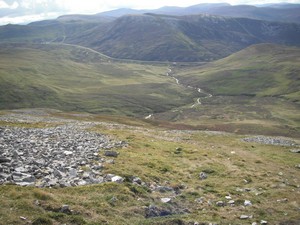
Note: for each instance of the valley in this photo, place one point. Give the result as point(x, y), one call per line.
point(174, 116)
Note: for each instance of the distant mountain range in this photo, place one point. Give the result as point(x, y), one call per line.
point(271, 12)
point(202, 32)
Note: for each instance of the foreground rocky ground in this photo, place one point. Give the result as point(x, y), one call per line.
point(159, 177)
point(60, 156)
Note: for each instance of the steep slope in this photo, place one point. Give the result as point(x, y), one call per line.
point(72, 78)
point(187, 38)
point(147, 37)
point(157, 37)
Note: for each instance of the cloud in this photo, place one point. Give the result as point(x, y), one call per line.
point(8, 5)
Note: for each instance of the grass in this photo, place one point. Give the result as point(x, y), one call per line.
point(254, 91)
point(259, 70)
point(75, 79)
point(169, 158)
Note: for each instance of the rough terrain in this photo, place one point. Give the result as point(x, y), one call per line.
point(69, 168)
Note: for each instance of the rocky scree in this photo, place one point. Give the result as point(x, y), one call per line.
point(66, 155)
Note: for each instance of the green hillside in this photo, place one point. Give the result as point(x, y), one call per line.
point(253, 91)
point(260, 70)
point(72, 78)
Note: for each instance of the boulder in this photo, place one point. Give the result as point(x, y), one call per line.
point(111, 153)
point(203, 176)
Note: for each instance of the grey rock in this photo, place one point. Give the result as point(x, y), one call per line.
point(48, 157)
point(111, 153)
point(231, 202)
point(137, 180)
point(244, 217)
point(4, 159)
point(270, 140)
point(117, 179)
point(282, 200)
point(203, 176)
point(73, 173)
point(295, 150)
point(110, 161)
point(67, 153)
point(58, 174)
point(65, 209)
point(199, 200)
point(247, 203)
point(165, 200)
point(153, 211)
point(163, 189)
point(220, 203)
point(21, 169)
point(82, 182)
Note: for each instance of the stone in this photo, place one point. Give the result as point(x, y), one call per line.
point(4, 159)
point(73, 172)
point(228, 197)
point(220, 203)
point(110, 161)
point(282, 200)
point(117, 179)
point(203, 176)
point(137, 180)
point(244, 217)
point(153, 211)
point(199, 200)
point(231, 202)
point(247, 203)
point(21, 169)
point(295, 150)
point(163, 189)
point(65, 209)
point(165, 200)
point(58, 174)
point(68, 153)
point(111, 153)
point(263, 222)
point(52, 156)
point(82, 182)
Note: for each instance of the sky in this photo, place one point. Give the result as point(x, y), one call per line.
point(24, 11)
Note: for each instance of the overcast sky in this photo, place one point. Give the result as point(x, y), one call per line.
point(22, 11)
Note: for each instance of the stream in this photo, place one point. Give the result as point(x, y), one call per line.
point(199, 90)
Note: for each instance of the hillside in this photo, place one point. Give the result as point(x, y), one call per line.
point(72, 78)
point(188, 38)
point(261, 70)
point(253, 91)
point(271, 12)
point(258, 85)
point(157, 37)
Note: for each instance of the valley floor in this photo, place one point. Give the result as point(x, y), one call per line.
point(78, 168)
